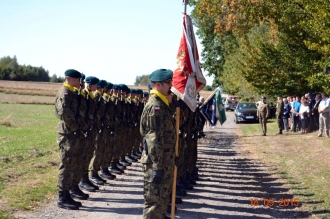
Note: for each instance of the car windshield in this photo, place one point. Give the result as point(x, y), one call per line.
point(247, 106)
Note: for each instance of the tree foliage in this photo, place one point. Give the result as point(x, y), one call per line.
point(265, 47)
point(11, 70)
point(141, 80)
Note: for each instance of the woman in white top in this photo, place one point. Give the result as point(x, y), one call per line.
point(304, 116)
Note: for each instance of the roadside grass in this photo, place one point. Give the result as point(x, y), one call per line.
point(29, 157)
point(302, 162)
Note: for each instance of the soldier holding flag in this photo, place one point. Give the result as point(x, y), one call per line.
point(158, 126)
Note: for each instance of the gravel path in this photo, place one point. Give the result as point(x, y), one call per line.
point(229, 180)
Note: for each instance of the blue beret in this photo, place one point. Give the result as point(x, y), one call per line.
point(72, 73)
point(280, 95)
point(92, 80)
point(109, 85)
point(139, 91)
point(161, 75)
point(115, 86)
point(145, 94)
point(132, 91)
point(102, 84)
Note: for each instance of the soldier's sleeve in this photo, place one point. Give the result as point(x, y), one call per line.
point(64, 110)
point(82, 112)
point(155, 137)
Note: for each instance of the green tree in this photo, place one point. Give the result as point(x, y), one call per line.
point(141, 80)
point(208, 88)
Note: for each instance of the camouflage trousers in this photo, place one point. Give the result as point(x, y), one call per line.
point(157, 196)
point(99, 147)
point(89, 149)
point(69, 152)
point(81, 158)
point(117, 145)
point(188, 154)
point(181, 166)
point(137, 138)
point(129, 142)
point(194, 155)
point(108, 150)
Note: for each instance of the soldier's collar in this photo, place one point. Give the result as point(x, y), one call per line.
point(71, 88)
point(161, 96)
point(89, 93)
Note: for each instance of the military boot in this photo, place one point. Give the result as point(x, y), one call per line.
point(114, 169)
point(106, 174)
point(72, 200)
point(135, 155)
point(85, 183)
point(64, 202)
point(183, 185)
point(180, 192)
point(189, 180)
point(95, 178)
point(130, 159)
point(77, 193)
point(120, 166)
point(124, 162)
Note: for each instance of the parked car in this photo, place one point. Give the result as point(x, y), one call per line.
point(231, 103)
point(246, 112)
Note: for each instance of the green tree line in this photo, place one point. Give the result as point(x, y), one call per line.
point(11, 70)
point(255, 47)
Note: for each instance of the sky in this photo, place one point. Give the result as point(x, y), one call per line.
point(110, 39)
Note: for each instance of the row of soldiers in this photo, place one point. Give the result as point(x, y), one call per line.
point(99, 136)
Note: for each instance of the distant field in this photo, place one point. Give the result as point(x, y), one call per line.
point(41, 92)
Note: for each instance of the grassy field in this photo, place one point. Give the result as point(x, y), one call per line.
point(302, 162)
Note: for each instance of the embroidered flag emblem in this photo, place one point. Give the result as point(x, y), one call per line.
point(157, 108)
point(66, 94)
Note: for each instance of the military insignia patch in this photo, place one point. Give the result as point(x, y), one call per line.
point(157, 108)
point(66, 94)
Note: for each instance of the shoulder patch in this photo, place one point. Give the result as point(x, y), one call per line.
point(157, 108)
point(66, 94)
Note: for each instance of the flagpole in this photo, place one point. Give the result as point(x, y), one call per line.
point(177, 126)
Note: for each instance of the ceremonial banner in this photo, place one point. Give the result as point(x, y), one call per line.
point(220, 108)
point(188, 78)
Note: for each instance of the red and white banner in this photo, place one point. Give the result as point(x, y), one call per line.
point(188, 78)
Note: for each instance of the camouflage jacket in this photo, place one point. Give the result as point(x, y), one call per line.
point(108, 119)
point(279, 109)
point(99, 108)
point(158, 126)
point(66, 107)
point(90, 108)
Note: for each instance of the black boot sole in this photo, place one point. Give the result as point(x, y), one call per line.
point(67, 207)
point(88, 189)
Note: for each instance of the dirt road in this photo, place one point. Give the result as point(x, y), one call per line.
point(230, 180)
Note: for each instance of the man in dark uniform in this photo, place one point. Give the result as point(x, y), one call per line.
point(158, 126)
point(68, 132)
point(279, 113)
point(263, 114)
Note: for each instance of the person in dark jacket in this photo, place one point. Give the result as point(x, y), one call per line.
point(286, 114)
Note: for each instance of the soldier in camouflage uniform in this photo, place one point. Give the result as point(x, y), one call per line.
point(83, 138)
point(263, 114)
point(91, 83)
point(100, 135)
point(279, 113)
point(68, 133)
point(108, 123)
point(117, 98)
point(158, 126)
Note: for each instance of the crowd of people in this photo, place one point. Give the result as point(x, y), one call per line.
point(305, 114)
point(104, 127)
